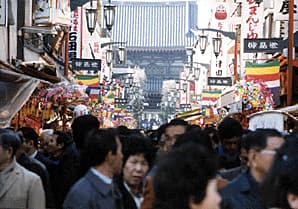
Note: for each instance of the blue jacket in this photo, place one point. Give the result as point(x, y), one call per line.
point(90, 192)
point(242, 193)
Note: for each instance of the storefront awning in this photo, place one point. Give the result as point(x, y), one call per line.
point(15, 89)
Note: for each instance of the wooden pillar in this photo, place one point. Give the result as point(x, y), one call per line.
point(290, 54)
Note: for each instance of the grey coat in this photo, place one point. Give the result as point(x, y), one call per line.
point(20, 188)
point(92, 193)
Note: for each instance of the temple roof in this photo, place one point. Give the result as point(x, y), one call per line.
point(155, 25)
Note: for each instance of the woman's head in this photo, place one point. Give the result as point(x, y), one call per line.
point(280, 187)
point(185, 178)
point(138, 156)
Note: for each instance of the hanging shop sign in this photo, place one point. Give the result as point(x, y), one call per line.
point(3, 12)
point(263, 45)
point(219, 81)
point(86, 64)
point(53, 12)
point(120, 101)
point(281, 10)
point(185, 106)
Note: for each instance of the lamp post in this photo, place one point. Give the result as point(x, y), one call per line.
point(91, 17)
point(217, 44)
point(109, 52)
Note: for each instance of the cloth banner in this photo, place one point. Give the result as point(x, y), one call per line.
point(266, 72)
point(209, 97)
point(88, 80)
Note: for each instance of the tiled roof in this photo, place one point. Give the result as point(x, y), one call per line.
point(155, 25)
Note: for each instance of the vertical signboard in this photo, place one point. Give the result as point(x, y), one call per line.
point(251, 27)
point(220, 21)
point(281, 10)
point(74, 49)
point(3, 12)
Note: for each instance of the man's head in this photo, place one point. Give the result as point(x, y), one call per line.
point(230, 132)
point(9, 144)
point(103, 147)
point(81, 126)
point(261, 146)
point(30, 138)
point(174, 129)
point(57, 143)
point(185, 178)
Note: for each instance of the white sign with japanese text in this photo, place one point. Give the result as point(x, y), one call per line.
point(281, 10)
point(267, 120)
point(3, 12)
point(251, 28)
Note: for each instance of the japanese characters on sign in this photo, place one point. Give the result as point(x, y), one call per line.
point(252, 19)
point(281, 10)
point(185, 106)
point(120, 100)
point(74, 50)
point(3, 12)
point(86, 64)
point(220, 22)
point(219, 81)
point(263, 45)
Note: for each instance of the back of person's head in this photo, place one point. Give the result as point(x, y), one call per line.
point(137, 144)
point(29, 134)
point(99, 142)
point(281, 179)
point(81, 126)
point(9, 139)
point(196, 136)
point(183, 175)
point(229, 128)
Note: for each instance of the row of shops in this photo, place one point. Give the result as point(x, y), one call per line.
point(252, 103)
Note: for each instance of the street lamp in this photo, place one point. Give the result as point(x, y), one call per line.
point(91, 14)
point(217, 44)
point(109, 15)
point(203, 42)
point(109, 56)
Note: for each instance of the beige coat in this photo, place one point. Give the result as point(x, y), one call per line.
point(20, 188)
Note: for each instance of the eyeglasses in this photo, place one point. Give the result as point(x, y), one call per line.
point(268, 152)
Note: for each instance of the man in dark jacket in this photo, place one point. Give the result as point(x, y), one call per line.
point(103, 154)
point(243, 192)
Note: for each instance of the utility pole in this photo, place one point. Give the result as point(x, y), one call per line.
point(290, 54)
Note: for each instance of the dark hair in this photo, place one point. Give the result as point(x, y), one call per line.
point(9, 138)
point(29, 134)
point(138, 144)
point(177, 122)
point(81, 126)
point(229, 128)
point(184, 173)
point(281, 178)
point(257, 139)
point(213, 133)
point(62, 137)
point(97, 145)
point(194, 136)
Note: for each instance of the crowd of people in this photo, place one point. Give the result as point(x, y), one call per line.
point(178, 166)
